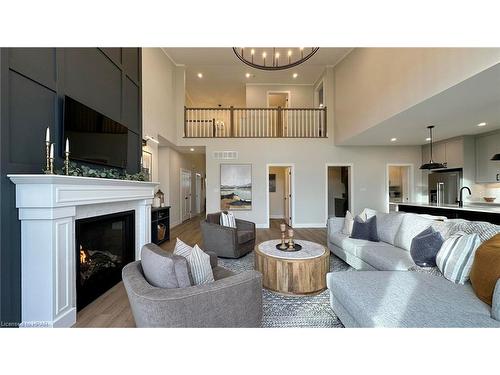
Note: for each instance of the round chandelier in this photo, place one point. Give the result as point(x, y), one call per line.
point(274, 58)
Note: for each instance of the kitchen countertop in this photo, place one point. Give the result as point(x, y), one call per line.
point(467, 206)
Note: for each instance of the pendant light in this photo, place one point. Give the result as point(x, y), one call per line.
point(432, 164)
point(496, 157)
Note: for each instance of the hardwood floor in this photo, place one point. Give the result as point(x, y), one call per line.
point(112, 308)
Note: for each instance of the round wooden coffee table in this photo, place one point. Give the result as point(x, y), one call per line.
point(301, 272)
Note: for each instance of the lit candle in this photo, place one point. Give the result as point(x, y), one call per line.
point(52, 151)
point(290, 233)
point(282, 227)
point(67, 145)
point(47, 135)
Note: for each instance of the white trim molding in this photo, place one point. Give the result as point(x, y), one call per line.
point(48, 207)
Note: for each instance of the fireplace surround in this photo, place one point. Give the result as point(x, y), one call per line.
point(49, 207)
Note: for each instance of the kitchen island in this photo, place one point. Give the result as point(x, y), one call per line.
point(472, 212)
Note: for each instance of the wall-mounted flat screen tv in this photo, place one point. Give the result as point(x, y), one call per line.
point(93, 137)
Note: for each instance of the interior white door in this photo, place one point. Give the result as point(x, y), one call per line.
point(185, 195)
point(197, 194)
point(288, 195)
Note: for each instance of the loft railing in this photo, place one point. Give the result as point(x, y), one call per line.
point(255, 122)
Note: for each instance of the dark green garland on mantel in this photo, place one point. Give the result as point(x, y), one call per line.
point(86, 171)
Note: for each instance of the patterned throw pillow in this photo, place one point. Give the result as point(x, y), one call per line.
point(227, 219)
point(199, 262)
point(456, 256)
point(484, 230)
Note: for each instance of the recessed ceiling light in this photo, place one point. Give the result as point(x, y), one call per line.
point(427, 139)
point(200, 75)
point(481, 124)
point(295, 75)
point(191, 149)
point(394, 139)
point(248, 75)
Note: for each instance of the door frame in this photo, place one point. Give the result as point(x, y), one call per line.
point(279, 92)
point(197, 205)
point(292, 190)
point(411, 188)
point(187, 171)
point(351, 184)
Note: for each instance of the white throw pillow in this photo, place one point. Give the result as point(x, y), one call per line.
point(198, 261)
point(456, 256)
point(348, 224)
point(227, 220)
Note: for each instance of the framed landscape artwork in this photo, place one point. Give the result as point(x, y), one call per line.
point(147, 164)
point(272, 183)
point(235, 187)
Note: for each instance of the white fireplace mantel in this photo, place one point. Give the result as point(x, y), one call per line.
point(48, 207)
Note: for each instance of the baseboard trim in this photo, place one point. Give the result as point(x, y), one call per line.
point(309, 225)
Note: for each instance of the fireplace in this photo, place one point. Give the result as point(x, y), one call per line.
point(104, 245)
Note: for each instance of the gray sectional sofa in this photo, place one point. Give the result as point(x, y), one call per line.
point(388, 294)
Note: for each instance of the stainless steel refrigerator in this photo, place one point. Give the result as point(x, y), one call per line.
point(444, 187)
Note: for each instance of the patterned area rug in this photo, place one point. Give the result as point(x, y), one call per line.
point(281, 311)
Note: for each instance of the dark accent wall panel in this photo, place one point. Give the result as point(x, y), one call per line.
point(31, 110)
point(114, 54)
point(37, 63)
point(33, 83)
point(131, 62)
point(93, 79)
point(131, 105)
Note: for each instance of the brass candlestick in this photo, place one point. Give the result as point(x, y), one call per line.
point(283, 245)
point(66, 163)
point(291, 244)
point(47, 157)
point(51, 166)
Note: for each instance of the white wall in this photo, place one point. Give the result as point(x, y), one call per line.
point(276, 199)
point(301, 96)
point(158, 94)
point(309, 158)
point(171, 161)
point(373, 84)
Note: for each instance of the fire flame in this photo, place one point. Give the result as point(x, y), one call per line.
point(83, 255)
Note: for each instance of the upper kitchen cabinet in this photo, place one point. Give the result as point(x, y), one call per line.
point(449, 152)
point(487, 145)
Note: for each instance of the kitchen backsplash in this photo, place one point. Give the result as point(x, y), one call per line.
point(485, 190)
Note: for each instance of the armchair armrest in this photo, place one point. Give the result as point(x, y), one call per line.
point(335, 224)
point(245, 225)
point(219, 239)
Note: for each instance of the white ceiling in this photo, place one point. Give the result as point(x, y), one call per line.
point(454, 112)
point(224, 78)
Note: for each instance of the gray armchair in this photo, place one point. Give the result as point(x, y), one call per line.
point(232, 300)
point(227, 242)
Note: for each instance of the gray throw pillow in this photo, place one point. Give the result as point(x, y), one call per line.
point(164, 270)
point(425, 246)
point(365, 230)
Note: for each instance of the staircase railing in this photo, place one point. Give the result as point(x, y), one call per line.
point(255, 122)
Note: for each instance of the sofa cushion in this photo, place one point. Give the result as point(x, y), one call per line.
point(485, 271)
point(408, 299)
point(163, 269)
point(411, 225)
point(385, 257)
point(387, 224)
point(198, 261)
point(425, 246)
point(245, 236)
point(365, 230)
